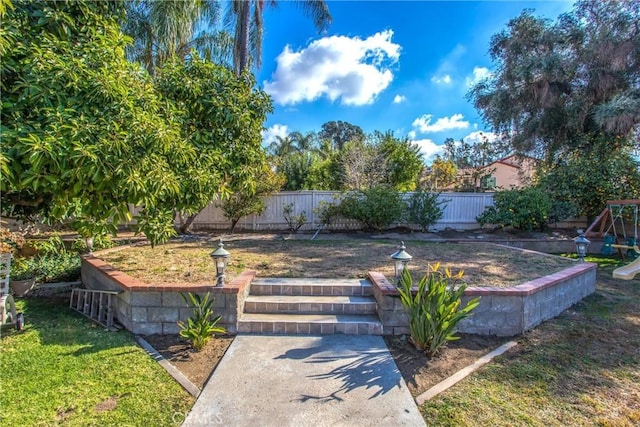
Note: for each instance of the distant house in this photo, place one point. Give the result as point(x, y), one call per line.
point(513, 171)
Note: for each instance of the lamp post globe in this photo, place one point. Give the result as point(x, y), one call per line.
point(582, 244)
point(220, 259)
point(400, 260)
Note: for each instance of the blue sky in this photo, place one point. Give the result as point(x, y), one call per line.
point(403, 66)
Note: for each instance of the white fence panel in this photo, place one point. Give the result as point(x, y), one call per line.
point(460, 211)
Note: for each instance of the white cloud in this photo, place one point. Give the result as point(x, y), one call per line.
point(478, 136)
point(399, 99)
point(444, 80)
point(270, 134)
point(479, 73)
point(423, 123)
point(429, 149)
point(347, 68)
point(412, 134)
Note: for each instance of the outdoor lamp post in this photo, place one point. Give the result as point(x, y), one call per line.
point(582, 243)
point(220, 258)
point(400, 258)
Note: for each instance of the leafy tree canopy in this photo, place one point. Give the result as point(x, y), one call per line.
point(557, 85)
point(86, 133)
point(83, 129)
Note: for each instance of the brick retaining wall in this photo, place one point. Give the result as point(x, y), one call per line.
point(502, 311)
point(156, 309)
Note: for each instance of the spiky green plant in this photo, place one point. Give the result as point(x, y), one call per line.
point(201, 326)
point(434, 308)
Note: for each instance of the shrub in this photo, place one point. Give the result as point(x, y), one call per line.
point(524, 209)
point(434, 309)
point(376, 208)
point(327, 212)
point(201, 326)
point(52, 263)
point(294, 222)
point(423, 208)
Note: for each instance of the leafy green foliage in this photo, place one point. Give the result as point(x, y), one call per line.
point(424, 208)
point(201, 326)
point(589, 178)
point(246, 201)
point(53, 262)
point(84, 134)
point(376, 208)
point(403, 161)
point(220, 117)
point(327, 212)
point(525, 209)
point(294, 221)
point(560, 84)
point(434, 309)
point(441, 174)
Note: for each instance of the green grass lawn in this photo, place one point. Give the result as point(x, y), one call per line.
point(581, 368)
point(63, 369)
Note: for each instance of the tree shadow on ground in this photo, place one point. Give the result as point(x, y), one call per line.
point(364, 364)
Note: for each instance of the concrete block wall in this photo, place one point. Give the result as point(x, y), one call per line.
point(156, 309)
point(502, 311)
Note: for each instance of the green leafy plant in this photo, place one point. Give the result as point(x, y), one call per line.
point(376, 208)
point(294, 222)
point(424, 209)
point(327, 212)
point(201, 326)
point(524, 209)
point(434, 307)
point(53, 262)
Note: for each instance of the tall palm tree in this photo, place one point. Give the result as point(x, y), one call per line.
point(161, 29)
point(304, 142)
point(246, 17)
point(282, 146)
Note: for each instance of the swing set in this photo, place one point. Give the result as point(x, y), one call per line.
point(615, 235)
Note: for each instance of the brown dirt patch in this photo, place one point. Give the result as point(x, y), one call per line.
point(197, 366)
point(484, 264)
point(108, 404)
point(421, 372)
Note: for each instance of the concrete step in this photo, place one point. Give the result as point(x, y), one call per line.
point(318, 287)
point(303, 304)
point(314, 324)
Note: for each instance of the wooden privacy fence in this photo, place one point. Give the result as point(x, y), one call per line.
point(460, 212)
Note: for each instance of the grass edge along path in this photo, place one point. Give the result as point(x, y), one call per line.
point(581, 368)
point(64, 369)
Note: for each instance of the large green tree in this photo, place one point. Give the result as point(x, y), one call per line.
point(83, 132)
point(246, 17)
point(221, 117)
point(558, 86)
point(403, 160)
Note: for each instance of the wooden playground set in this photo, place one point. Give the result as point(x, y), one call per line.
point(613, 227)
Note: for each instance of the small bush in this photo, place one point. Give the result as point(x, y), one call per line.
point(327, 212)
point(52, 263)
point(294, 222)
point(424, 209)
point(525, 209)
point(434, 310)
point(201, 326)
point(376, 208)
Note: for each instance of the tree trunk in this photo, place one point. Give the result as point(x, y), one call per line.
point(186, 225)
point(234, 222)
point(242, 37)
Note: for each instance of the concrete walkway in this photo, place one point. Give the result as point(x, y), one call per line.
point(329, 380)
